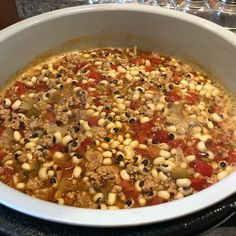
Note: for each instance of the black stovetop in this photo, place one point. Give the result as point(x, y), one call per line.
point(222, 214)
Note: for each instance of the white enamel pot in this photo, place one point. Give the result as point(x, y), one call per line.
point(151, 28)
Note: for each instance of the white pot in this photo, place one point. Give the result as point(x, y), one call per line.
point(147, 27)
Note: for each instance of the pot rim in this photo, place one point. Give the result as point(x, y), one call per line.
point(125, 217)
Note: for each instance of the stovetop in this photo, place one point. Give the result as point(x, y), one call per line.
point(217, 220)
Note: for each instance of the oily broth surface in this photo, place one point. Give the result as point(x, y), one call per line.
point(115, 128)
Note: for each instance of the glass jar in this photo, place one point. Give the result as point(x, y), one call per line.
point(224, 14)
point(199, 8)
point(170, 4)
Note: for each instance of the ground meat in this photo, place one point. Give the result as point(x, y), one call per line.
point(94, 160)
point(150, 183)
point(33, 184)
point(109, 173)
point(84, 200)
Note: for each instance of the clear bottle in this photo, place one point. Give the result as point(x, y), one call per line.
point(170, 4)
point(199, 8)
point(224, 14)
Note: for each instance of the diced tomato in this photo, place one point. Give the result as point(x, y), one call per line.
point(129, 190)
point(8, 173)
point(214, 109)
point(1, 130)
point(202, 167)
point(137, 61)
point(113, 66)
point(137, 83)
point(93, 120)
point(177, 143)
point(97, 102)
point(49, 116)
point(162, 136)
point(155, 201)
point(89, 84)
point(198, 183)
point(2, 155)
point(141, 136)
point(80, 66)
point(191, 151)
point(95, 75)
point(57, 148)
point(141, 152)
point(150, 68)
point(20, 88)
point(154, 60)
point(192, 98)
point(83, 146)
point(172, 96)
point(232, 157)
point(46, 194)
point(153, 152)
point(134, 105)
point(40, 87)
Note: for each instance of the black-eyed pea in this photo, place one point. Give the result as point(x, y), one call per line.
point(162, 176)
point(201, 146)
point(6, 103)
point(222, 174)
point(16, 105)
point(142, 201)
point(178, 195)
point(163, 146)
point(137, 185)
point(30, 145)
point(57, 137)
point(58, 155)
point(20, 186)
point(129, 203)
point(115, 144)
point(43, 175)
point(66, 140)
point(26, 166)
point(92, 190)
point(124, 175)
point(129, 152)
point(184, 182)
point(142, 146)
point(154, 173)
point(165, 154)
point(103, 206)
point(106, 154)
point(185, 191)
point(190, 158)
point(111, 199)
point(77, 172)
point(163, 194)
point(17, 135)
point(158, 161)
point(107, 161)
point(89, 134)
point(98, 197)
point(60, 201)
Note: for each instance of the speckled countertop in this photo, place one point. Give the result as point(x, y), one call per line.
point(28, 8)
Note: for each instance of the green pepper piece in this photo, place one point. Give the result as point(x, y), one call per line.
point(33, 112)
point(179, 173)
